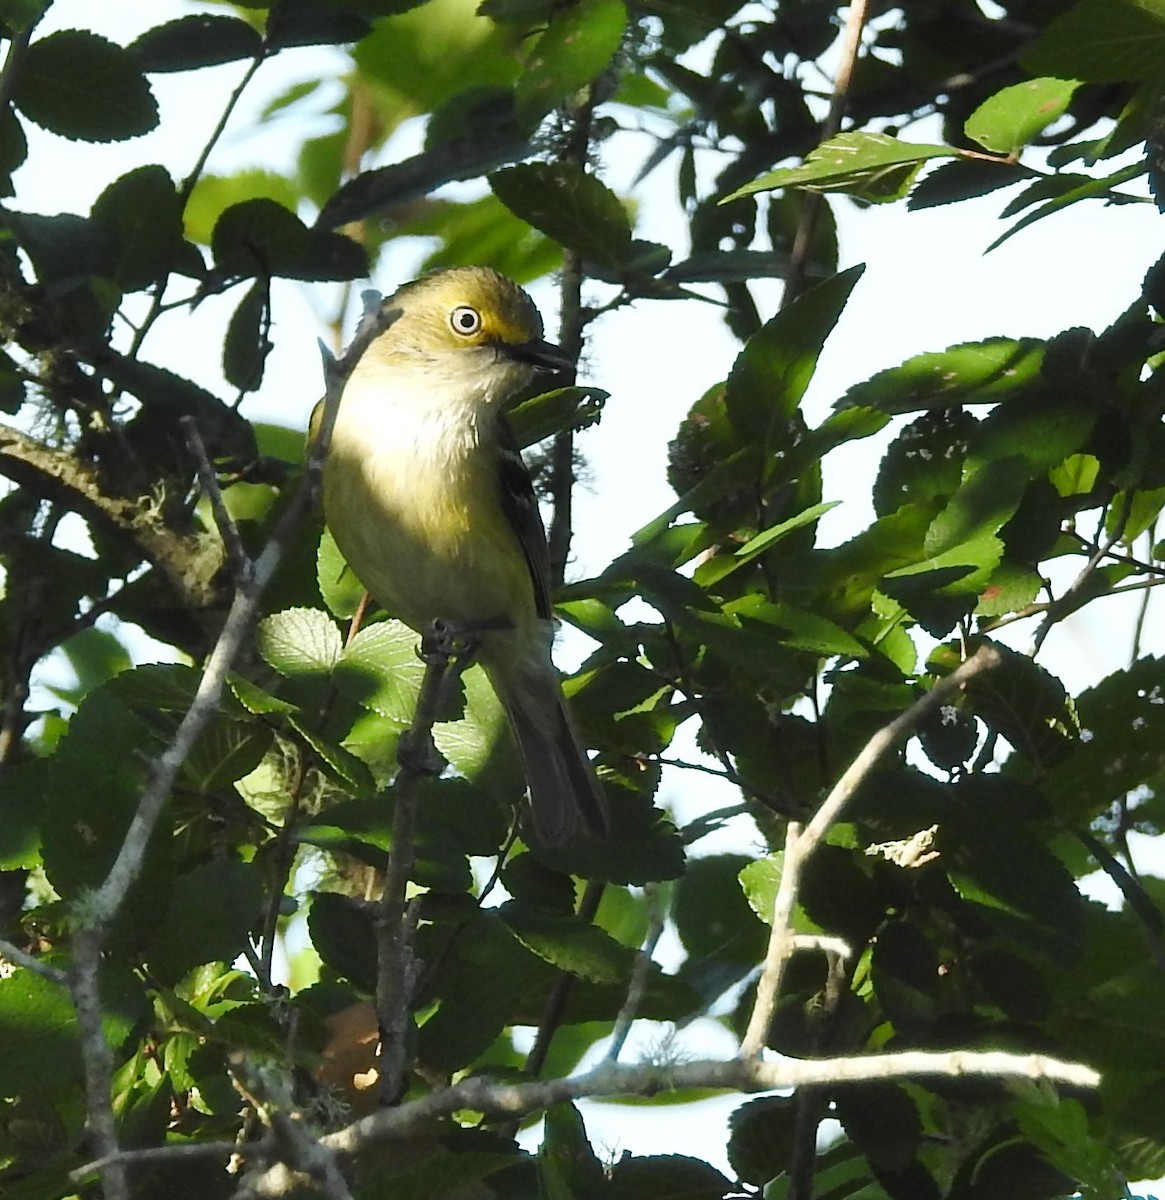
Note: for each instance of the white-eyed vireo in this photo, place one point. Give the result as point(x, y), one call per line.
point(430, 504)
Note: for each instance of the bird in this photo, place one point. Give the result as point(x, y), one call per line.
point(431, 506)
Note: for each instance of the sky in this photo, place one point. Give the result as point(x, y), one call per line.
point(928, 284)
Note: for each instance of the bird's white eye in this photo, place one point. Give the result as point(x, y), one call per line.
point(465, 320)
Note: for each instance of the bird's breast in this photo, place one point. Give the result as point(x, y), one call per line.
point(411, 497)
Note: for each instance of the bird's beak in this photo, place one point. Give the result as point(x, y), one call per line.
point(542, 355)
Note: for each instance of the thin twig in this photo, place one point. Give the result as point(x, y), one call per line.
point(97, 1059)
point(811, 204)
point(22, 958)
point(639, 972)
point(228, 530)
point(800, 843)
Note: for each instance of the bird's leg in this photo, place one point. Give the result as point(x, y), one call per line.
point(447, 649)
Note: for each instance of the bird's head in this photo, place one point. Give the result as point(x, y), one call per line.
point(465, 324)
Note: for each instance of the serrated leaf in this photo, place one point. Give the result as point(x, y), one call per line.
point(245, 347)
point(255, 699)
point(142, 214)
point(379, 669)
point(42, 1056)
point(874, 166)
point(554, 412)
point(964, 179)
point(571, 206)
point(667, 1177)
point(225, 752)
point(470, 743)
point(717, 568)
point(761, 1139)
point(1101, 41)
point(568, 1167)
point(342, 592)
point(211, 910)
point(1017, 115)
point(985, 372)
point(568, 943)
point(79, 85)
point(576, 47)
point(1028, 706)
point(300, 641)
point(773, 370)
point(759, 881)
point(195, 40)
point(348, 770)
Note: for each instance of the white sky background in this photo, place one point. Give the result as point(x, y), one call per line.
point(927, 285)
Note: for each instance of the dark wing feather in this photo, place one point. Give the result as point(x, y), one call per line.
point(521, 508)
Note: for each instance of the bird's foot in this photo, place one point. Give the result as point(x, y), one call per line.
point(445, 640)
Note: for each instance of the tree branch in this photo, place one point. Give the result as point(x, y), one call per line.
point(799, 844)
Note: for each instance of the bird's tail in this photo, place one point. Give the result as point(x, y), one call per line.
point(565, 793)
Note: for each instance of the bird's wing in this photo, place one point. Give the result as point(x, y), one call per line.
point(520, 506)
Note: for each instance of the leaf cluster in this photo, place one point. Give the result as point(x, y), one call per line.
point(1020, 480)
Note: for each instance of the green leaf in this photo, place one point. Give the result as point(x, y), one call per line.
point(81, 86)
point(1122, 721)
point(905, 975)
point(760, 881)
point(225, 752)
point(470, 742)
point(667, 1177)
point(1015, 116)
point(553, 412)
point(762, 1135)
point(246, 346)
point(986, 372)
point(576, 47)
point(308, 23)
point(41, 1056)
point(379, 669)
point(964, 179)
point(300, 641)
point(881, 1120)
point(212, 194)
point(771, 373)
point(568, 943)
point(344, 936)
point(714, 569)
point(568, 1168)
point(982, 504)
point(1027, 706)
point(24, 799)
point(342, 592)
point(195, 40)
point(260, 238)
point(211, 910)
point(571, 206)
point(1101, 41)
point(722, 935)
point(142, 215)
point(874, 166)
point(103, 753)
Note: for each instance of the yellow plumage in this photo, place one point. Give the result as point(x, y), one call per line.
point(436, 517)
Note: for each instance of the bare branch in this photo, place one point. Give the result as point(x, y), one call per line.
point(799, 844)
point(512, 1101)
point(21, 958)
point(638, 982)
